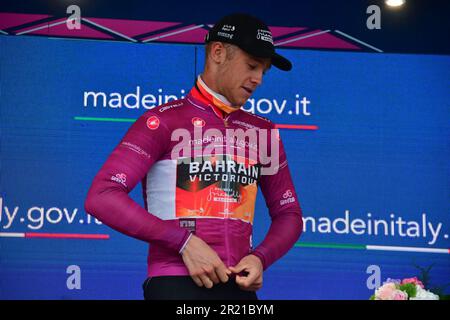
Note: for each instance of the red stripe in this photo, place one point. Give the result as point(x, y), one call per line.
point(296, 126)
point(66, 235)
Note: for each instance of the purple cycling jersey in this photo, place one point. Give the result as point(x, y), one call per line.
point(187, 190)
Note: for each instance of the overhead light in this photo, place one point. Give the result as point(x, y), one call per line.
point(395, 3)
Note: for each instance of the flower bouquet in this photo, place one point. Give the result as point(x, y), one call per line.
point(406, 289)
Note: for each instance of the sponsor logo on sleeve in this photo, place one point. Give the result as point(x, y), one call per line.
point(153, 123)
point(162, 109)
point(135, 148)
point(244, 124)
point(188, 224)
point(287, 198)
point(120, 178)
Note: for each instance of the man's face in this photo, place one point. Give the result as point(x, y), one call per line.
point(240, 75)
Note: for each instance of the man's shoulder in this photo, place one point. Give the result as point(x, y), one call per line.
point(168, 107)
point(251, 120)
point(166, 115)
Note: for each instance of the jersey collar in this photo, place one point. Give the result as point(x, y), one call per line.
point(220, 105)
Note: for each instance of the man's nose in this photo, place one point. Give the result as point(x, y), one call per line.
point(257, 78)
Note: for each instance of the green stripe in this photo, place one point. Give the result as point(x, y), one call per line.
point(329, 245)
point(104, 119)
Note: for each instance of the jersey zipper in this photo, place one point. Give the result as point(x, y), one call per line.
point(227, 240)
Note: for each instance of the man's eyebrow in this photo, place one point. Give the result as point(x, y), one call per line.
point(263, 62)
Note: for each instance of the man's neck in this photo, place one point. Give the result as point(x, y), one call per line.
point(213, 96)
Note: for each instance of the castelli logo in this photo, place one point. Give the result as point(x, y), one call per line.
point(153, 122)
point(198, 122)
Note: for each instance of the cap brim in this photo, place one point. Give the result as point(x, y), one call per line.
point(276, 60)
point(281, 62)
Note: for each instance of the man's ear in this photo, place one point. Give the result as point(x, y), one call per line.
point(218, 52)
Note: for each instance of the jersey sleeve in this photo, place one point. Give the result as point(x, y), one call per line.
point(108, 200)
point(284, 209)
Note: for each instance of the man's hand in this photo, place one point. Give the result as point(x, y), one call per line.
point(203, 263)
point(251, 265)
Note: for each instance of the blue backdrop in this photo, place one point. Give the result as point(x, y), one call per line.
point(373, 178)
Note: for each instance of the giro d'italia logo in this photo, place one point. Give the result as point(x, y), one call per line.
point(153, 122)
point(287, 194)
point(198, 122)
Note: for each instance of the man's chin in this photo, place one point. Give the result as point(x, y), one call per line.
point(237, 104)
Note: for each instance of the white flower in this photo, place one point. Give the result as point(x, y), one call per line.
point(422, 294)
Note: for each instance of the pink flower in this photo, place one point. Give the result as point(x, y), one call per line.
point(414, 280)
point(399, 295)
point(385, 292)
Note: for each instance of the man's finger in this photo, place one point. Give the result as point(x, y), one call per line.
point(256, 286)
point(207, 282)
point(242, 283)
point(213, 276)
point(252, 288)
point(223, 273)
point(197, 281)
point(248, 280)
point(238, 268)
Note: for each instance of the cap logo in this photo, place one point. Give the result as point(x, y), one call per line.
point(225, 35)
point(228, 28)
point(264, 35)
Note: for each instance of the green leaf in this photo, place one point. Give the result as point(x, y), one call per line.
point(409, 288)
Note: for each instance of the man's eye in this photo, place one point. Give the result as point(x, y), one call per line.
point(252, 66)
